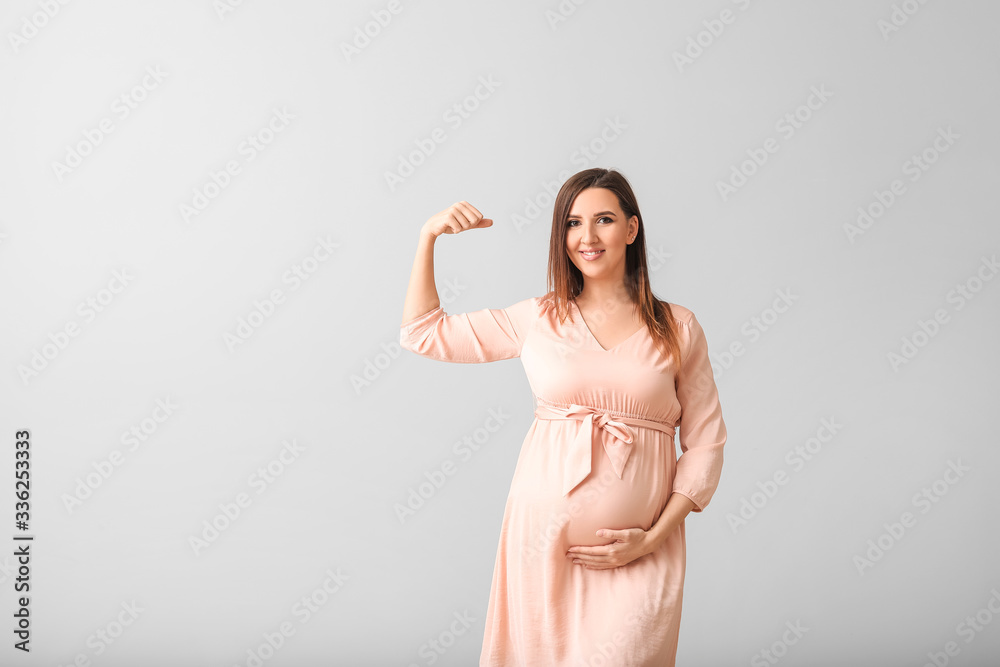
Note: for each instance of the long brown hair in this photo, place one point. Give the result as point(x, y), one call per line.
point(565, 281)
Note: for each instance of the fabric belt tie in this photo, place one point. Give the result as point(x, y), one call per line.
point(616, 436)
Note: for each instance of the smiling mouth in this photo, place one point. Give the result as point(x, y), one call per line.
point(589, 253)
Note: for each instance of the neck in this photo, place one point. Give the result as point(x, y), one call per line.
point(603, 291)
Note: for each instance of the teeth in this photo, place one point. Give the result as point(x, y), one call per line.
point(596, 252)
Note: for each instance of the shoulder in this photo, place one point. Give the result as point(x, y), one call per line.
point(545, 302)
point(535, 309)
point(530, 305)
point(691, 333)
point(523, 316)
point(525, 312)
point(681, 314)
point(541, 305)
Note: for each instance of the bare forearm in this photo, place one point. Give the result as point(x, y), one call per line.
point(422, 294)
point(678, 507)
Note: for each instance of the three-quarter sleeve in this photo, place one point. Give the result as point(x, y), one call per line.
point(702, 429)
point(479, 336)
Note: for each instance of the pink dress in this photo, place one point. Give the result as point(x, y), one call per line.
point(599, 454)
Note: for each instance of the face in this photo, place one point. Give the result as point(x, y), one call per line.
point(596, 222)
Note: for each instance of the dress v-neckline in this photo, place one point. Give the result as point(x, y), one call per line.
point(594, 338)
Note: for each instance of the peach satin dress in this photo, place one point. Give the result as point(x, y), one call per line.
point(599, 454)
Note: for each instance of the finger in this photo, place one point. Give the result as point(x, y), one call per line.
point(587, 551)
point(457, 220)
point(460, 220)
point(475, 213)
point(473, 217)
point(597, 564)
point(468, 215)
point(593, 562)
point(589, 558)
point(613, 534)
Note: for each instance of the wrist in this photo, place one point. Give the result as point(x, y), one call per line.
point(652, 539)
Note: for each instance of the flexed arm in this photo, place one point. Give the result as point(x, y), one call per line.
point(422, 295)
point(484, 335)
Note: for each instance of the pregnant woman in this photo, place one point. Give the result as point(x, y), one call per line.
point(590, 564)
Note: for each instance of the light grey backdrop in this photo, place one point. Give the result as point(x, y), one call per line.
point(209, 215)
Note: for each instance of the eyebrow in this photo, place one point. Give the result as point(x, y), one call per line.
point(595, 215)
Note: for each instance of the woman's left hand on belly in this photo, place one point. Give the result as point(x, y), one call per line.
point(629, 544)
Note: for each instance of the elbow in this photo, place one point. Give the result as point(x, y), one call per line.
point(407, 342)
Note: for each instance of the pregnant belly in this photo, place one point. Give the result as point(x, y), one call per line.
point(545, 519)
point(604, 501)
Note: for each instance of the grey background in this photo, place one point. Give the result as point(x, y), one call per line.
point(325, 369)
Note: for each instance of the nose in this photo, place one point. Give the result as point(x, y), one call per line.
point(589, 234)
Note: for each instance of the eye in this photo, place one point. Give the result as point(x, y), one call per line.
point(574, 223)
